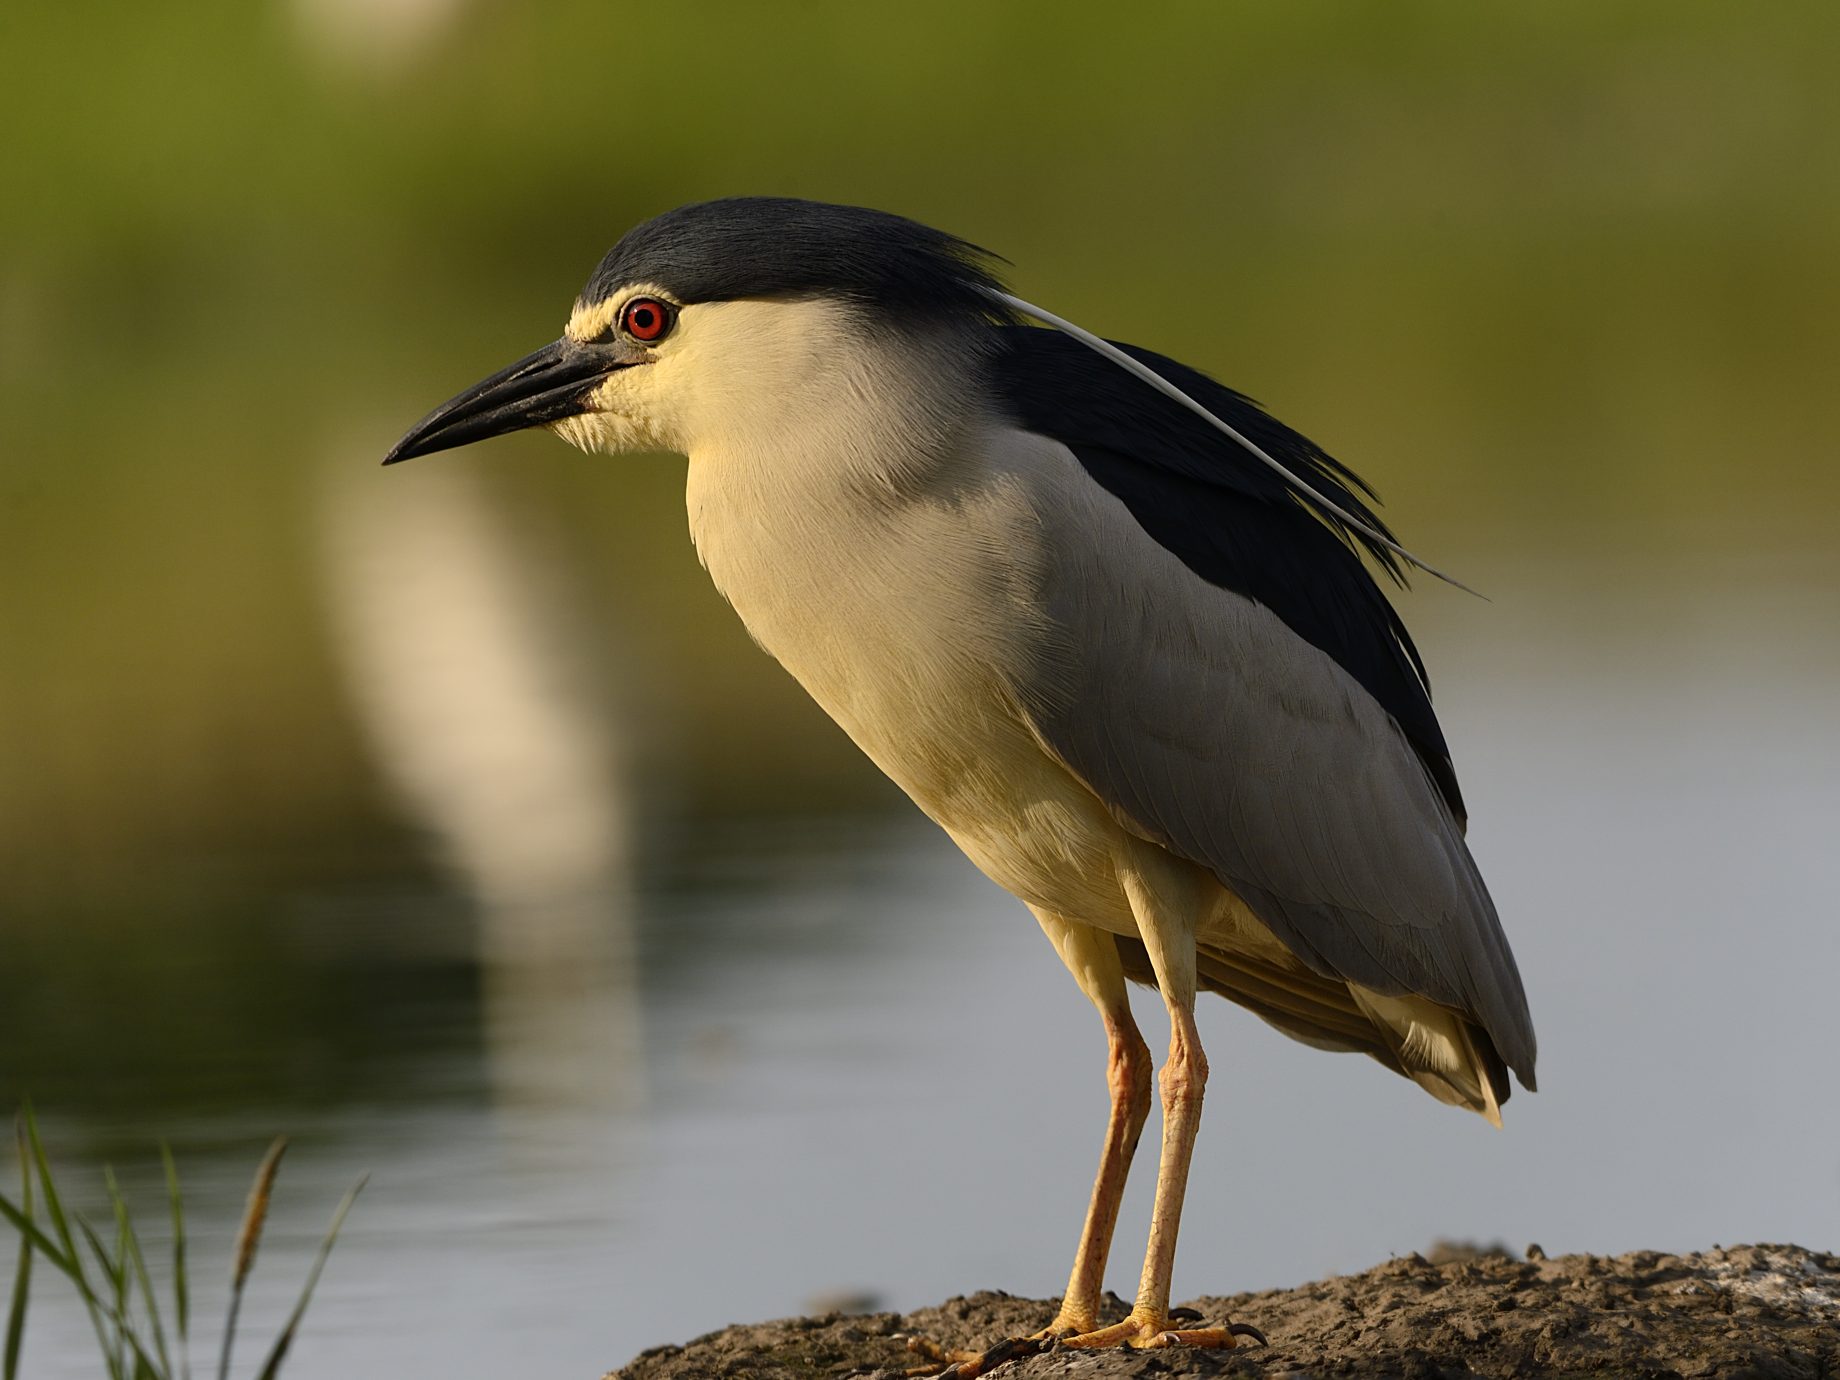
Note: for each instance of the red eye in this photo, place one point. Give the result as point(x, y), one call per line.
point(646, 319)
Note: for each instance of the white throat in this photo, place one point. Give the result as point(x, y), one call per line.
point(828, 490)
point(802, 426)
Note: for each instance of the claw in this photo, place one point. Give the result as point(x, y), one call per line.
point(968, 1365)
point(1003, 1351)
point(1209, 1336)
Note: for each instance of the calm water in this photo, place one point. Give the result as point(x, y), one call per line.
point(744, 1066)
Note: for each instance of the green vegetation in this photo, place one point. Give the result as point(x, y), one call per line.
point(113, 1281)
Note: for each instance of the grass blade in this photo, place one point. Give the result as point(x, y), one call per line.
point(272, 1366)
point(41, 1243)
point(72, 1269)
point(132, 1257)
point(54, 1209)
point(22, 1277)
point(124, 1294)
point(182, 1301)
point(127, 1342)
point(115, 1355)
point(248, 1240)
point(63, 1237)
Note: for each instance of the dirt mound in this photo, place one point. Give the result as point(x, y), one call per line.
point(1758, 1312)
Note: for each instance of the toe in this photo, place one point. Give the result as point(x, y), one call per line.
point(1141, 1330)
point(971, 1367)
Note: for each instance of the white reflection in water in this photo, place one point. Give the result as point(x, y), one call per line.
point(463, 646)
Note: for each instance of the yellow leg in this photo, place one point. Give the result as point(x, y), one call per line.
point(1092, 957)
point(1164, 912)
point(1165, 899)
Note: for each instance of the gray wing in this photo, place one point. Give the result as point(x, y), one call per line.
point(1209, 727)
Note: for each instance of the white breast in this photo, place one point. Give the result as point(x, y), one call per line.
point(901, 591)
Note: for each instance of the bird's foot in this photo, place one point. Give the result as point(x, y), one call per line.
point(950, 1364)
point(1079, 1334)
point(1144, 1330)
point(968, 1365)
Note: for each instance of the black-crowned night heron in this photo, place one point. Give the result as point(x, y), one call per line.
point(1103, 619)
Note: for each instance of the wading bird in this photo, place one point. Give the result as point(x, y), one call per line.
point(1103, 619)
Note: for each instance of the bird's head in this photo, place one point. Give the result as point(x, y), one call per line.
point(726, 315)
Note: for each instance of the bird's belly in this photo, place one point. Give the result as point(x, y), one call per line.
point(953, 738)
point(945, 726)
point(921, 680)
point(1037, 832)
point(965, 754)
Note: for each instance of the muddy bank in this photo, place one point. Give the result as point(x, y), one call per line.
point(1758, 1312)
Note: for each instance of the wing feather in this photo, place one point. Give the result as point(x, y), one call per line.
point(1208, 725)
point(1225, 514)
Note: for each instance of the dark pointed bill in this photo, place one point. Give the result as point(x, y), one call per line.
point(543, 387)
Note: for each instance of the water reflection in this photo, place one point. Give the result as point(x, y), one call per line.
point(465, 645)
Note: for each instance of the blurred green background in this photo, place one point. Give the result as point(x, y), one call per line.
point(1558, 277)
point(1552, 275)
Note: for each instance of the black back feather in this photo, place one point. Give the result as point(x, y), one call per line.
point(1226, 514)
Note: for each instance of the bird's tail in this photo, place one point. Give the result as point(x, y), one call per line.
point(1446, 1054)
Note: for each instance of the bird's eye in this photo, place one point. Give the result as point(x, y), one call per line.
point(647, 319)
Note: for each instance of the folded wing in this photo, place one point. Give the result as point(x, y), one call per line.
point(1302, 764)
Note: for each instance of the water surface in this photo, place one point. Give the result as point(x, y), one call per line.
point(804, 1056)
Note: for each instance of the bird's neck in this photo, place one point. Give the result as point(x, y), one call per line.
point(818, 444)
point(827, 520)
